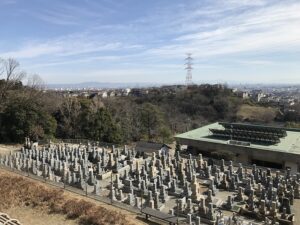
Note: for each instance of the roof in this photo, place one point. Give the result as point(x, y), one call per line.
point(288, 144)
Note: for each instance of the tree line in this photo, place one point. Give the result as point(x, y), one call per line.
point(26, 110)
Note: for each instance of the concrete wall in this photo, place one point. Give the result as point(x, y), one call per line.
point(294, 166)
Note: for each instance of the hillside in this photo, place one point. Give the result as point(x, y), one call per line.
point(256, 114)
point(23, 198)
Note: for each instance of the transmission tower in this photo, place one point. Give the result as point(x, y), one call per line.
point(189, 69)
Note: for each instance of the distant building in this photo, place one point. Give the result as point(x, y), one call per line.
point(111, 94)
point(85, 94)
point(103, 94)
point(287, 101)
point(254, 144)
point(75, 95)
point(125, 92)
point(138, 92)
point(242, 94)
point(257, 95)
point(119, 93)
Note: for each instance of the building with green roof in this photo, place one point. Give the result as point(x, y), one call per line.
point(263, 145)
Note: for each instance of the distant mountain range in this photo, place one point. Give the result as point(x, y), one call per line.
point(99, 85)
point(107, 85)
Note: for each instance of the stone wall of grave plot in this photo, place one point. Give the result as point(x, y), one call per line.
point(121, 171)
point(106, 175)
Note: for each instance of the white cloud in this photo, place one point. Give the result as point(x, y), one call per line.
point(62, 13)
point(32, 51)
point(245, 2)
point(270, 28)
point(70, 45)
point(55, 18)
point(158, 41)
point(75, 61)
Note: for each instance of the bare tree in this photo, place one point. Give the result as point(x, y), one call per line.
point(1, 68)
point(11, 70)
point(34, 88)
point(36, 82)
point(70, 112)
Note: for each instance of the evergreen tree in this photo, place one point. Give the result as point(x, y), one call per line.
point(104, 128)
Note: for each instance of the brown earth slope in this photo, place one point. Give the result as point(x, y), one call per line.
point(34, 203)
point(256, 114)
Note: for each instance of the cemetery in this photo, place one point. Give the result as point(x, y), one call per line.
point(183, 190)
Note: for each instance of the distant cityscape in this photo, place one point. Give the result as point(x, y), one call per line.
point(283, 96)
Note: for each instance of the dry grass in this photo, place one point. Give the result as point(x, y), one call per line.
point(256, 113)
point(16, 191)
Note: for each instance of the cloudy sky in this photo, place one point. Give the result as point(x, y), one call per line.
point(69, 41)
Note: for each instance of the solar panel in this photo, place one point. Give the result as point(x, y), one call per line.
point(249, 133)
point(280, 132)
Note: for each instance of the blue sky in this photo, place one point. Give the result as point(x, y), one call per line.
point(70, 41)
